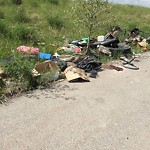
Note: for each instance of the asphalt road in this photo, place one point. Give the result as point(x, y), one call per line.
point(111, 112)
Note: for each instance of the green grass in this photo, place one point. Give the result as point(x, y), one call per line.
point(129, 17)
point(47, 21)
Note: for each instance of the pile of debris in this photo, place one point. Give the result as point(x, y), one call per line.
point(84, 63)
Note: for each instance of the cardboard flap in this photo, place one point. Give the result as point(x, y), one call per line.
point(46, 66)
point(72, 73)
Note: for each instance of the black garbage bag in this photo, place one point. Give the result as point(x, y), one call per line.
point(134, 32)
point(88, 64)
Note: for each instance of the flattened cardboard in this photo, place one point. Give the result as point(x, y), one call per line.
point(73, 74)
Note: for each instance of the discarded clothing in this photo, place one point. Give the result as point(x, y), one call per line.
point(87, 64)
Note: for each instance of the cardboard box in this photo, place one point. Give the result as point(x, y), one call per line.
point(46, 66)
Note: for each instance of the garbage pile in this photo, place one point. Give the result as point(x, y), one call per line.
point(84, 63)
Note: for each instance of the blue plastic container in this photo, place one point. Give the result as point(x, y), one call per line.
point(45, 56)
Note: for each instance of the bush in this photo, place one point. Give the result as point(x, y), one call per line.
point(55, 22)
point(20, 72)
point(24, 34)
point(35, 3)
point(21, 16)
point(4, 2)
point(3, 29)
point(20, 68)
point(2, 15)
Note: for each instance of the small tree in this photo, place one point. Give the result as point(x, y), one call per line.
point(88, 15)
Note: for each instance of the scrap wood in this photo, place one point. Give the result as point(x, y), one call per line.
point(110, 67)
point(116, 68)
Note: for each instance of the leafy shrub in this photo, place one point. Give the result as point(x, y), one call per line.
point(20, 68)
point(24, 34)
point(55, 22)
point(17, 66)
point(3, 29)
point(21, 16)
point(34, 3)
point(2, 15)
point(4, 2)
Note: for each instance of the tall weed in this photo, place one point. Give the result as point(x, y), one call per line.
point(3, 29)
point(5, 2)
point(20, 67)
point(24, 34)
point(55, 22)
point(21, 16)
point(2, 16)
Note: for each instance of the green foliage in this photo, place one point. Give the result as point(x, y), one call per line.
point(24, 34)
point(21, 16)
point(4, 2)
point(35, 3)
point(55, 22)
point(2, 16)
point(131, 16)
point(3, 29)
point(32, 14)
point(90, 15)
point(20, 68)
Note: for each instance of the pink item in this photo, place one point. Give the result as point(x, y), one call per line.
point(27, 49)
point(77, 49)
